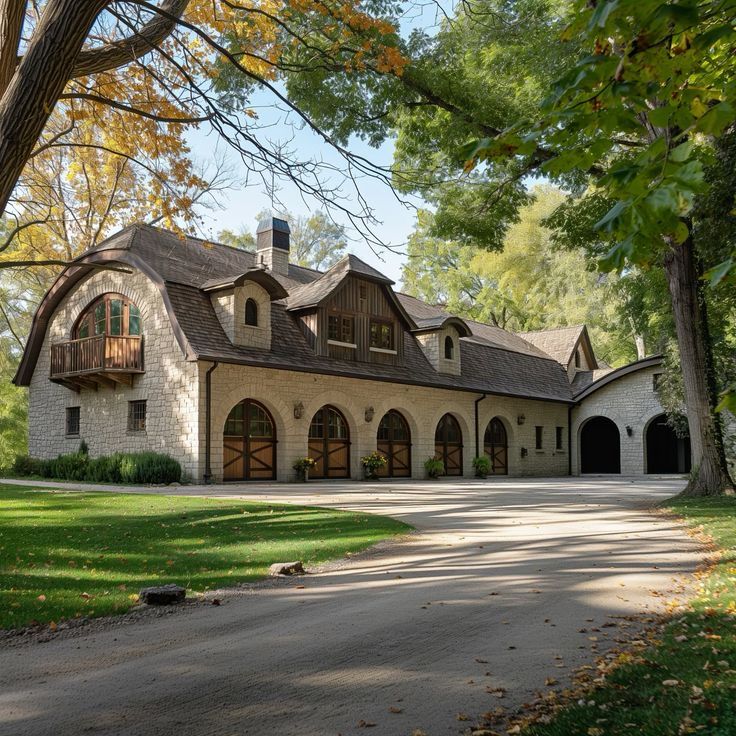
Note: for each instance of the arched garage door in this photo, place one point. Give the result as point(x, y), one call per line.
point(600, 446)
point(666, 452)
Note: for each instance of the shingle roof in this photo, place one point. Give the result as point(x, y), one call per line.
point(559, 342)
point(493, 361)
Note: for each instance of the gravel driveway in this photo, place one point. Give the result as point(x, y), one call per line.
point(492, 592)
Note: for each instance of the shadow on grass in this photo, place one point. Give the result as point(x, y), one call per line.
point(66, 555)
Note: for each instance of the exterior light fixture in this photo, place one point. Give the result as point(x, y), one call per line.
point(524, 452)
point(520, 419)
point(298, 410)
point(629, 430)
point(369, 412)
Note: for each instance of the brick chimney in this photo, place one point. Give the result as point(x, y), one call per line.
point(272, 245)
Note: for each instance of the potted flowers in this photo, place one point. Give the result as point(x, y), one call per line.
point(372, 464)
point(434, 467)
point(482, 466)
point(302, 466)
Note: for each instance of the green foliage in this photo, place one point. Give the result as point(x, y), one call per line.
point(133, 467)
point(65, 555)
point(434, 467)
point(303, 465)
point(538, 281)
point(482, 466)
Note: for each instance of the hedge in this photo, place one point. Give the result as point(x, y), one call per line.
point(122, 467)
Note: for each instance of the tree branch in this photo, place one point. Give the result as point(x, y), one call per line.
point(136, 111)
point(147, 38)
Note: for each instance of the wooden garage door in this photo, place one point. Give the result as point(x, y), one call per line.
point(394, 442)
point(448, 445)
point(249, 443)
point(496, 446)
point(329, 444)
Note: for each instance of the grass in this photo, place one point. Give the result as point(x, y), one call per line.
point(695, 655)
point(65, 555)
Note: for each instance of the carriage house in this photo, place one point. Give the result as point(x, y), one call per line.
point(238, 363)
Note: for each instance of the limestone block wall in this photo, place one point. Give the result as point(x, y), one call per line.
point(229, 306)
point(169, 385)
point(280, 390)
point(628, 401)
point(433, 346)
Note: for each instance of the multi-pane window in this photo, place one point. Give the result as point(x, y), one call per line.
point(72, 420)
point(539, 437)
point(382, 335)
point(340, 327)
point(136, 416)
point(558, 438)
point(111, 314)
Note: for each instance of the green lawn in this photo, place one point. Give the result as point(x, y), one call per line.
point(697, 650)
point(64, 554)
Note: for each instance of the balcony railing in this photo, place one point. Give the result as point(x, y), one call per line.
point(98, 359)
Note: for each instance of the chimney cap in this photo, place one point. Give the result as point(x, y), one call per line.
point(273, 223)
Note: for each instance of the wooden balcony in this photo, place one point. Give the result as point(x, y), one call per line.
point(102, 360)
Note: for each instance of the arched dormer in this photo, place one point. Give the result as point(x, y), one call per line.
point(243, 306)
point(439, 338)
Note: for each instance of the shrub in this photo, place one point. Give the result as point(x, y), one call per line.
point(26, 465)
point(434, 467)
point(105, 469)
point(70, 467)
point(149, 467)
point(303, 465)
point(482, 466)
point(83, 448)
point(135, 467)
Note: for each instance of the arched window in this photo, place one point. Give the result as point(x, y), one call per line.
point(449, 348)
point(110, 314)
point(251, 312)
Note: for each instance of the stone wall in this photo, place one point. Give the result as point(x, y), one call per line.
point(229, 306)
point(169, 385)
point(281, 390)
point(628, 401)
point(433, 346)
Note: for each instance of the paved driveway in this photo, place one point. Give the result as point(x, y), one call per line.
point(491, 593)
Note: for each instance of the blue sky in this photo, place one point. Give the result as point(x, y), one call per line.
point(240, 206)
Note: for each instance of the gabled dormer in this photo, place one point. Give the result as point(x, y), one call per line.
point(569, 346)
point(352, 313)
point(439, 338)
point(243, 306)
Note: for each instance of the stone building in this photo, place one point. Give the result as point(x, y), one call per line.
point(238, 363)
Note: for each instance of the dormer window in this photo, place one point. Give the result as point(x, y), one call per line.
point(251, 312)
point(340, 328)
point(111, 314)
point(449, 348)
point(382, 335)
point(578, 359)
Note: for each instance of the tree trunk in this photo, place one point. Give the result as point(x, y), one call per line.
point(11, 23)
point(38, 81)
point(710, 474)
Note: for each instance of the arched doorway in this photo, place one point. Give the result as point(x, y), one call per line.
point(329, 444)
point(394, 442)
point(448, 445)
point(600, 446)
point(666, 452)
point(249, 443)
point(496, 446)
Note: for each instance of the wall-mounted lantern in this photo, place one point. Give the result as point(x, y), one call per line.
point(369, 413)
point(520, 419)
point(298, 410)
point(629, 430)
point(524, 452)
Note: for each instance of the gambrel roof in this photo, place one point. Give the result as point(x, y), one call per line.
point(186, 269)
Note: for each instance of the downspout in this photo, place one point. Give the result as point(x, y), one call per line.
point(477, 434)
point(208, 422)
point(569, 439)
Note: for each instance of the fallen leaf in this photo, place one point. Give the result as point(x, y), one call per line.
point(365, 724)
point(41, 598)
point(550, 681)
point(462, 717)
point(394, 709)
point(670, 683)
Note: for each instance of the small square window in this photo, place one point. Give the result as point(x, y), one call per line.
point(340, 328)
point(382, 335)
point(558, 437)
point(136, 416)
point(539, 435)
point(72, 421)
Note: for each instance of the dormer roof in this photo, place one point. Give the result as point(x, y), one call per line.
point(562, 342)
point(257, 275)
